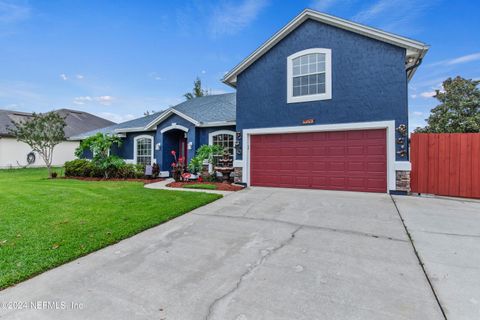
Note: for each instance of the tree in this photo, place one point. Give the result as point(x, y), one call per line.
point(197, 90)
point(149, 112)
point(459, 110)
point(100, 145)
point(42, 132)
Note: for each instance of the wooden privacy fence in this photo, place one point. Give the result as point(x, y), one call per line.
point(446, 164)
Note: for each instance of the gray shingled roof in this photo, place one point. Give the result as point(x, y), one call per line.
point(214, 108)
point(77, 121)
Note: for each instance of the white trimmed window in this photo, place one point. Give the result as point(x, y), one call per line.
point(309, 75)
point(143, 150)
point(225, 139)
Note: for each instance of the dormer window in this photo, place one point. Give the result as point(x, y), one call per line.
point(309, 75)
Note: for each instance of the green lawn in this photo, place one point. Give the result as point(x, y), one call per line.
point(200, 186)
point(45, 223)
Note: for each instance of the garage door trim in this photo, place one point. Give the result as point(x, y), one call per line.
point(388, 125)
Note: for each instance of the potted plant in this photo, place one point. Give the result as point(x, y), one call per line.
point(195, 166)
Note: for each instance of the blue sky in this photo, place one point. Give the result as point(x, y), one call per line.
point(118, 59)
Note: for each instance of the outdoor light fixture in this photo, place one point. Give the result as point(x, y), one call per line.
point(157, 146)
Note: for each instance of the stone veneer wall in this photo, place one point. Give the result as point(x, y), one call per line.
point(403, 180)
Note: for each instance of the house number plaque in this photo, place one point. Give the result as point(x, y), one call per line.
point(308, 121)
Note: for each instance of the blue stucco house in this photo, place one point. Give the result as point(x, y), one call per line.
point(322, 104)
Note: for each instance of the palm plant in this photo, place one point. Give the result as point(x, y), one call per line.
point(197, 90)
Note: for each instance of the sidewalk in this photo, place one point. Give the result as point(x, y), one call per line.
point(162, 185)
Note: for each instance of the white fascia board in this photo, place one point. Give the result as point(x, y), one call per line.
point(137, 129)
point(217, 124)
point(412, 46)
point(168, 113)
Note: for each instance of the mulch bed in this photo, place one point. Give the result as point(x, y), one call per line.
point(220, 185)
point(145, 181)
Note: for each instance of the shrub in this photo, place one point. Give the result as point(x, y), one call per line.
point(117, 169)
point(195, 165)
point(79, 168)
point(139, 171)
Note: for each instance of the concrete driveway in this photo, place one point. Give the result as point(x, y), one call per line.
point(446, 234)
point(262, 253)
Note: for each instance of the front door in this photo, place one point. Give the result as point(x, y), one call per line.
point(182, 149)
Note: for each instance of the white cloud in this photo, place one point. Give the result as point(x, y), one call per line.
point(63, 76)
point(417, 113)
point(82, 100)
point(458, 60)
point(79, 76)
point(116, 117)
point(231, 17)
point(413, 96)
point(12, 11)
point(428, 94)
point(204, 72)
point(391, 14)
point(105, 100)
point(155, 76)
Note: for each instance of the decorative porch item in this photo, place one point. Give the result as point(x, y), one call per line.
point(402, 130)
point(225, 166)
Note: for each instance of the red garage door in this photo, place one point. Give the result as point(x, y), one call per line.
point(338, 160)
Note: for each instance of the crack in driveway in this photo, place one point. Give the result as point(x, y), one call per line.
point(450, 234)
point(214, 305)
point(345, 231)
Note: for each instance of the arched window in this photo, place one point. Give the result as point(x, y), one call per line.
point(143, 150)
point(225, 139)
point(309, 75)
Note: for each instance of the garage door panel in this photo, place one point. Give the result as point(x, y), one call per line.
point(336, 166)
point(355, 150)
point(357, 182)
point(341, 160)
point(336, 135)
point(374, 184)
point(376, 167)
point(336, 151)
point(305, 151)
point(375, 134)
point(356, 166)
point(302, 181)
point(375, 150)
point(318, 150)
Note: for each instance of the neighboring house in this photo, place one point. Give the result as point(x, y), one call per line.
point(321, 104)
point(14, 154)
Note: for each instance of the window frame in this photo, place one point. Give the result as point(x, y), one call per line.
point(135, 148)
point(328, 76)
point(229, 132)
point(215, 133)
